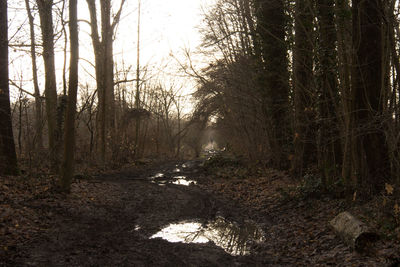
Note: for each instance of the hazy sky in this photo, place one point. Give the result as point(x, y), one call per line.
point(166, 26)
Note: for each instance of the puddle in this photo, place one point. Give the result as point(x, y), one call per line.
point(176, 170)
point(158, 175)
point(181, 180)
point(161, 180)
point(187, 232)
point(233, 238)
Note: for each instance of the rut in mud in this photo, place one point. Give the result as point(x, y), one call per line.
point(152, 217)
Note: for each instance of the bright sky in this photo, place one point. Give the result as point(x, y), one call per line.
point(166, 27)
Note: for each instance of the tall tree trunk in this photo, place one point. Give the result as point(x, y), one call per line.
point(38, 100)
point(329, 138)
point(304, 139)
point(107, 41)
point(8, 157)
point(275, 77)
point(137, 95)
point(343, 25)
point(69, 139)
point(99, 63)
point(369, 152)
point(103, 50)
point(46, 24)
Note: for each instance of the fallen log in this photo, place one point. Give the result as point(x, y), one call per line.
point(353, 232)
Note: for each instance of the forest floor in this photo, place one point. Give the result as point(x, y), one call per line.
point(115, 219)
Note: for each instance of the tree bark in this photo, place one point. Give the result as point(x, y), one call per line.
point(8, 157)
point(304, 139)
point(69, 138)
point(38, 100)
point(46, 24)
point(99, 63)
point(103, 50)
point(329, 138)
point(275, 77)
point(370, 164)
point(343, 26)
point(354, 233)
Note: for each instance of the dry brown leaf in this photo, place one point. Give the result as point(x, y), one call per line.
point(389, 189)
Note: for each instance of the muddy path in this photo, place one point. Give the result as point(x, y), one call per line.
point(118, 220)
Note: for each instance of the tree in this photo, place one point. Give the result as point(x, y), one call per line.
point(370, 165)
point(69, 139)
point(274, 79)
point(304, 115)
point(8, 157)
point(38, 100)
point(103, 52)
point(329, 145)
point(343, 26)
point(46, 24)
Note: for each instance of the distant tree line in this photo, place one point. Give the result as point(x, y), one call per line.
point(56, 126)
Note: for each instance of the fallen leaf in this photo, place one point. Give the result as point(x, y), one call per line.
point(396, 209)
point(389, 189)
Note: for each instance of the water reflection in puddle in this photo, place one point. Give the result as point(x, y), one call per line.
point(161, 180)
point(183, 181)
point(158, 175)
point(188, 232)
point(233, 238)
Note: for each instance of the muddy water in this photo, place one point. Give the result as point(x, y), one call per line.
point(232, 237)
point(173, 176)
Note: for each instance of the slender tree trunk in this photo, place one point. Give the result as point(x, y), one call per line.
point(46, 24)
point(137, 96)
point(107, 35)
point(20, 124)
point(38, 100)
point(343, 23)
point(370, 153)
point(100, 73)
point(304, 142)
point(329, 138)
point(69, 139)
point(8, 157)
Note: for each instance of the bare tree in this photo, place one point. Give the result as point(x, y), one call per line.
point(38, 100)
point(69, 139)
point(370, 165)
point(103, 51)
point(329, 145)
point(8, 157)
point(46, 24)
point(302, 79)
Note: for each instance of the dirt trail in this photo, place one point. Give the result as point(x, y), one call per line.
point(111, 219)
point(112, 224)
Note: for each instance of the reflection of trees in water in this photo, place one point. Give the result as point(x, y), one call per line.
point(232, 237)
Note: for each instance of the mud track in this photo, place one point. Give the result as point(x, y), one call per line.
point(113, 223)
